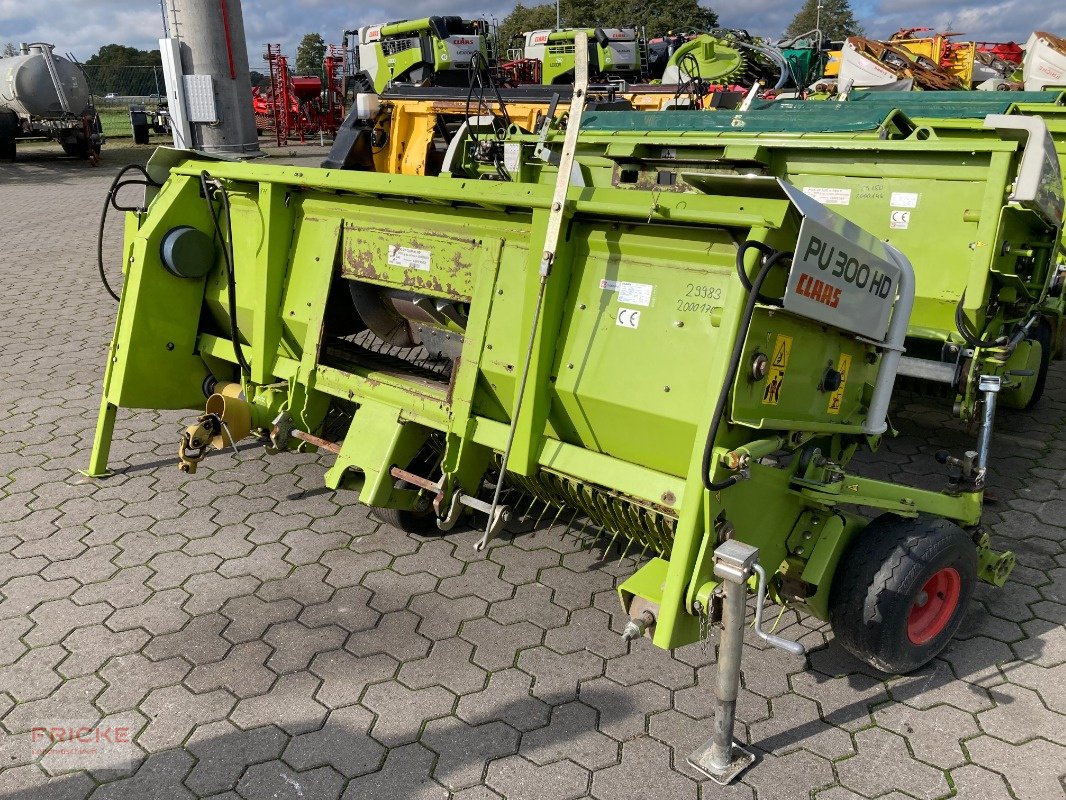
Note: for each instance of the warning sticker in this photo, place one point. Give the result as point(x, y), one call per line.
point(837, 397)
point(636, 294)
point(409, 257)
point(899, 220)
point(904, 200)
point(778, 365)
point(829, 197)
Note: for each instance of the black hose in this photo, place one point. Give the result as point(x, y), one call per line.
point(767, 252)
point(109, 201)
point(734, 359)
point(970, 336)
point(227, 258)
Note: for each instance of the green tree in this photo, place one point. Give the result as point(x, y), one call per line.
point(125, 71)
point(310, 54)
point(655, 18)
point(120, 55)
point(9, 50)
point(258, 78)
point(836, 20)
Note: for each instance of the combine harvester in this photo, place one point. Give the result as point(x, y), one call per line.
point(457, 344)
point(435, 51)
point(614, 54)
point(45, 96)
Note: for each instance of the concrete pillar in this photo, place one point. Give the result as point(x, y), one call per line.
point(211, 39)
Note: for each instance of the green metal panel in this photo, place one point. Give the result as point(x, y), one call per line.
point(942, 201)
point(694, 123)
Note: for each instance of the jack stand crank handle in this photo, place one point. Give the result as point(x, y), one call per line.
point(777, 641)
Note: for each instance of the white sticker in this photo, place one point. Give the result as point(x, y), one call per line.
point(408, 257)
point(899, 220)
point(512, 156)
point(829, 197)
point(904, 200)
point(637, 294)
point(627, 318)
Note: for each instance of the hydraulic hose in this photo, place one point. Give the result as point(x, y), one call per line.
point(970, 336)
point(734, 358)
point(109, 202)
point(227, 258)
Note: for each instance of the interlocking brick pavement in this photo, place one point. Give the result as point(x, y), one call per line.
point(264, 638)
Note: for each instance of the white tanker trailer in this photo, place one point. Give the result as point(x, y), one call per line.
point(46, 96)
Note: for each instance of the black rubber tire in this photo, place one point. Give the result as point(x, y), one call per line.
point(1041, 333)
point(9, 128)
point(420, 520)
point(879, 580)
point(79, 147)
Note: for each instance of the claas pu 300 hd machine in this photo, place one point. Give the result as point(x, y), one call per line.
point(978, 214)
point(668, 368)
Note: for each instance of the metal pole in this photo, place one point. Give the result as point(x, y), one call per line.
point(211, 41)
point(720, 757)
point(558, 16)
point(989, 385)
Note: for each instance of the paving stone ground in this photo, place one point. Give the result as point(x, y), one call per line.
point(260, 637)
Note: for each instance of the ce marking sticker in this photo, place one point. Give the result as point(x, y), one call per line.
point(627, 318)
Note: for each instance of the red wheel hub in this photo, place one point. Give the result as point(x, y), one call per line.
point(934, 606)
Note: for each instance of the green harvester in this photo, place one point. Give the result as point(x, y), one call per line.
point(661, 339)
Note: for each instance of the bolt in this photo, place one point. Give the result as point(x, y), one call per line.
point(807, 534)
point(556, 206)
point(636, 626)
point(570, 365)
point(760, 365)
point(666, 388)
point(170, 345)
point(582, 306)
point(799, 551)
point(679, 324)
point(499, 291)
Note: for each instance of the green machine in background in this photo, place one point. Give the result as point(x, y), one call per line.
point(613, 53)
point(434, 51)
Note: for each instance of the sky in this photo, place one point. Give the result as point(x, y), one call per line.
point(85, 25)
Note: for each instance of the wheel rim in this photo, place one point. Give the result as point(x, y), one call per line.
point(934, 606)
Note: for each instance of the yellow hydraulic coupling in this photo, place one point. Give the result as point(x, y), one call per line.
point(227, 419)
